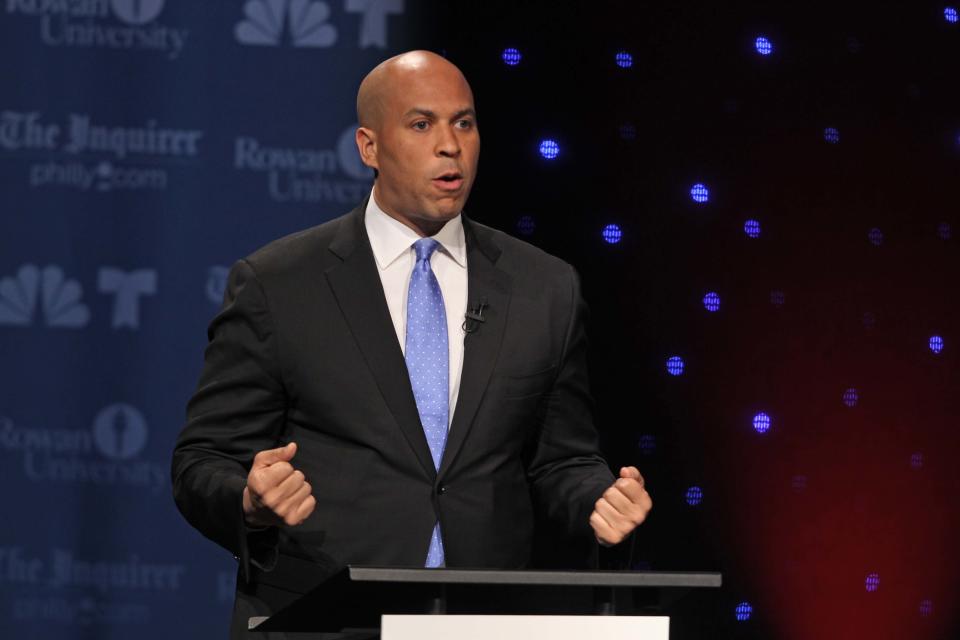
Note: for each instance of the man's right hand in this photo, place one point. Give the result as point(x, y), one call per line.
point(276, 493)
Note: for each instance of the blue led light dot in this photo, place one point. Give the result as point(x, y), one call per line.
point(628, 131)
point(936, 344)
point(675, 365)
point(612, 234)
point(763, 45)
point(799, 483)
point(700, 193)
point(711, 301)
point(851, 397)
point(875, 236)
point(526, 225)
point(624, 59)
point(511, 56)
point(831, 135)
point(872, 582)
point(648, 444)
point(950, 15)
point(549, 149)
point(761, 422)
point(752, 228)
point(944, 230)
point(778, 298)
point(743, 611)
point(694, 496)
point(869, 319)
point(926, 608)
point(916, 461)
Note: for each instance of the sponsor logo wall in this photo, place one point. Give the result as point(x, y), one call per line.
point(145, 145)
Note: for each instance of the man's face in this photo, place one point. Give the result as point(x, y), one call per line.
point(426, 146)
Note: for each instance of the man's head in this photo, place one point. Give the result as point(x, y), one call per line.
point(418, 130)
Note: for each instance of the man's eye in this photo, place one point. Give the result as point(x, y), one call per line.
point(421, 125)
point(465, 124)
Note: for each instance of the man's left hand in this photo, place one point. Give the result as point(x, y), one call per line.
point(621, 508)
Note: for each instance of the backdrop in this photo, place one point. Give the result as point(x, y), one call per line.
point(144, 146)
point(761, 200)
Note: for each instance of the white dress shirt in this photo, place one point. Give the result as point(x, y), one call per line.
point(392, 243)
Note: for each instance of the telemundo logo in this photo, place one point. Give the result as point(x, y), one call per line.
point(297, 174)
point(88, 24)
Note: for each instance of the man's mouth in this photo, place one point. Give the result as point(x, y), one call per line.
point(449, 181)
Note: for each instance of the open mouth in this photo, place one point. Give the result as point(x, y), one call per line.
point(449, 181)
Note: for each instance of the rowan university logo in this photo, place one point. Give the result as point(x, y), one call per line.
point(129, 25)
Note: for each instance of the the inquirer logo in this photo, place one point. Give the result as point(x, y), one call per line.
point(116, 154)
point(115, 24)
point(67, 587)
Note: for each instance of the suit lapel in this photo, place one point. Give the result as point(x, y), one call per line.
point(480, 348)
point(359, 292)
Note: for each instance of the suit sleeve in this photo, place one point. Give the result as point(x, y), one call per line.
point(237, 410)
point(566, 471)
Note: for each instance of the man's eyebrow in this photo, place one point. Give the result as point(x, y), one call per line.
point(427, 113)
point(469, 111)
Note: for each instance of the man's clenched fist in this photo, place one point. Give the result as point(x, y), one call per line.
point(276, 493)
point(621, 508)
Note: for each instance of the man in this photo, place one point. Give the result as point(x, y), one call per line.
point(349, 412)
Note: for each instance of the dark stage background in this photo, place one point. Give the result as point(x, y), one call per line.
point(761, 199)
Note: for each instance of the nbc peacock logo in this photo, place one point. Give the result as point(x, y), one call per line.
point(302, 23)
point(59, 298)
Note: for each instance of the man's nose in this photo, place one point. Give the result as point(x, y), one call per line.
point(448, 144)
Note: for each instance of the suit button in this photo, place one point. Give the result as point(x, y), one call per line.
point(442, 489)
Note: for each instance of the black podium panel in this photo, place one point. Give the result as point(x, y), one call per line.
point(356, 597)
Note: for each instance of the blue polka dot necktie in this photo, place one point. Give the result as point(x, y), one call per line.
point(428, 364)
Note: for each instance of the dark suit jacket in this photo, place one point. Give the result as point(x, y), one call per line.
point(304, 350)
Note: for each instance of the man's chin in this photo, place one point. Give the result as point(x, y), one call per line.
point(444, 211)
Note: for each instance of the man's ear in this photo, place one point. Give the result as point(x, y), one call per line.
point(367, 146)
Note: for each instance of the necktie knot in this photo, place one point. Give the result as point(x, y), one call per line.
point(425, 248)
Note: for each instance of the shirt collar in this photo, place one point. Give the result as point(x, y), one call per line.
point(390, 238)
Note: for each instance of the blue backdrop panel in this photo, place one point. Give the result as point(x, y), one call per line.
point(144, 146)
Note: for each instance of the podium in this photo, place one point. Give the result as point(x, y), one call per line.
point(360, 603)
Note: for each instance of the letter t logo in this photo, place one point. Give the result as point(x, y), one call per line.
point(127, 288)
point(373, 25)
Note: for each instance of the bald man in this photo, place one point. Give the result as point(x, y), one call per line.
point(400, 386)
